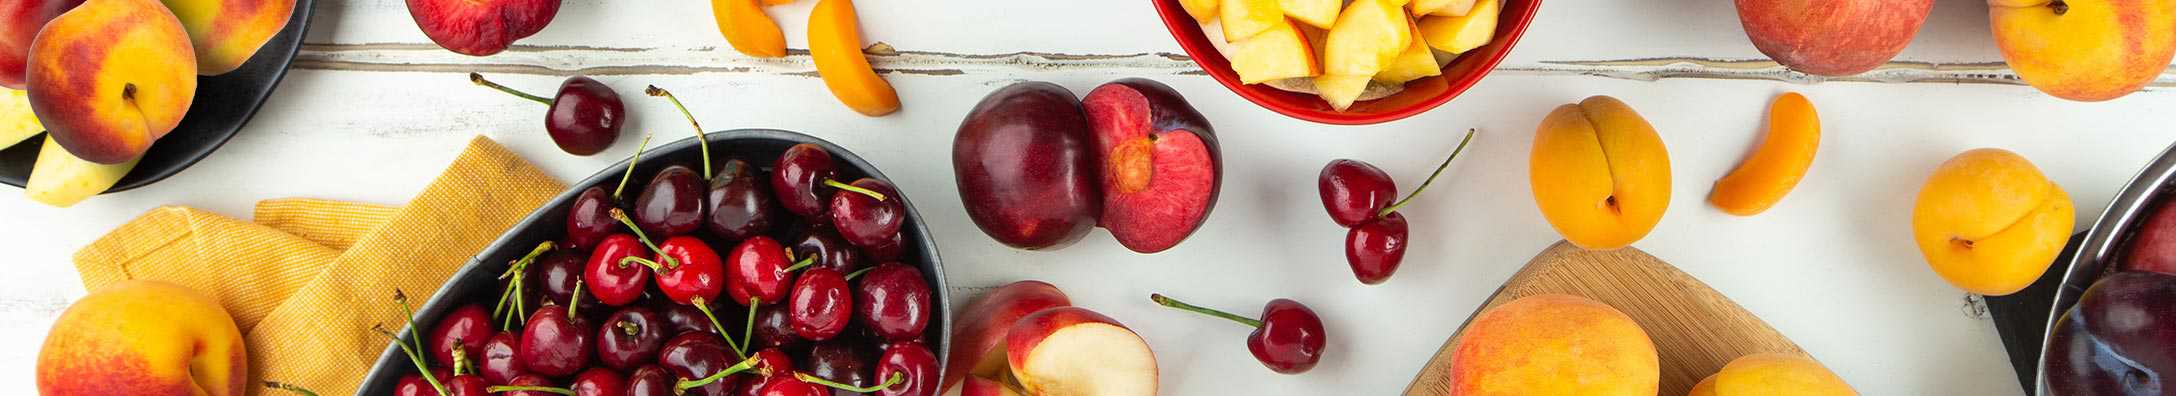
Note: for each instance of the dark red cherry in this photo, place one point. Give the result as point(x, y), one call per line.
point(499, 366)
point(1288, 338)
point(891, 249)
point(914, 364)
point(672, 204)
point(613, 279)
point(695, 275)
point(774, 328)
point(630, 337)
point(741, 204)
point(1355, 191)
point(798, 178)
point(467, 385)
point(757, 268)
point(467, 328)
point(557, 274)
point(772, 365)
point(830, 251)
point(531, 381)
point(413, 385)
point(585, 116)
point(820, 305)
point(599, 381)
point(683, 319)
point(698, 355)
point(590, 219)
point(1375, 248)
point(650, 380)
point(843, 361)
point(893, 300)
point(787, 385)
point(865, 220)
point(556, 343)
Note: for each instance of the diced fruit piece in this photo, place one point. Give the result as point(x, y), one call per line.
point(1777, 374)
point(2086, 50)
point(834, 41)
point(17, 123)
point(1339, 90)
point(1422, 8)
point(1074, 351)
point(1161, 167)
point(1415, 62)
point(1794, 132)
point(61, 180)
point(1202, 10)
point(1989, 222)
point(1553, 344)
point(142, 337)
point(1458, 34)
point(748, 29)
point(1280, 53)
point(1317, 13)
point(19, 23)
point(978, 338)
point(110, 77)
point(228, 32)
point(1243, 19)
point(1833, 37)
point(1368, 35)
point(478, 27)
point(1600, 174)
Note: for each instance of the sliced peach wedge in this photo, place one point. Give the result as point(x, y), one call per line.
point(1414, 63)
point(1318, 13)
point(1279, 53)
point(1458, 34)
point(1368, 35)
point(1242, 19)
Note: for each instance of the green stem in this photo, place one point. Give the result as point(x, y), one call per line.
point(654, 266)
point(289, 387)
point(1169, 302)
point(631, 161)
point(699, 140)
point(856, 189)
point(526, 388)
point(748, 327)
point(409, 313)
point(805, 262)
point(857, 273)
point(895, 379)
point(620, 215)
point(514, 275)
point(479, 80)
point(413, 357)
point(575, 301)
point(704, 306)
point(1431, 177)
point(685, 384)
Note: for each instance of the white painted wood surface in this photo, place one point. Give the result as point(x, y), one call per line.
point(373, 111)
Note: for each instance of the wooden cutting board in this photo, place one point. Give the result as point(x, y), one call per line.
point(1695, 330)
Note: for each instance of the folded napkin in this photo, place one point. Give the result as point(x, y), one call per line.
point(308, 278)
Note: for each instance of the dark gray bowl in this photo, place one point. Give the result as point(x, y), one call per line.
point(476, 282)
point(2103, 244)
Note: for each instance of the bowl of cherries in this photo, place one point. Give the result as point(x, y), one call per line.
point(747, 262)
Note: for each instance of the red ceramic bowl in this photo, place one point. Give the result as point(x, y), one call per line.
point(1418, 96)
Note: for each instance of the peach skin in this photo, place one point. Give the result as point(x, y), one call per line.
point(1554, 344)
point(1600, 174)
point(1776, 374)
point(978, 337)
point(144, 338)
point(228, 32)
point(110, 77)
point(1794, 132)
point(748, 29)
point(2085, 50)
point(19, 23)
point(834, 42)
point(1989, 222)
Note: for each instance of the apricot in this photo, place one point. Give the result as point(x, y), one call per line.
point(1773, 374)
point(2086, 50)
point(1554, 344)
point(144, 338)
point(1989, 223)
point(1600, 174)
point(834, 41)
point(748, 29)
point(1775, 167)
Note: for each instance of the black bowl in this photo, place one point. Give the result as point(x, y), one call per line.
point(223, 104)
point(476, 282)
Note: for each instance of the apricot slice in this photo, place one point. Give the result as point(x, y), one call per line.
point(748, 29)
point(1600, 174)
point(1794, 132)
point(834, 41)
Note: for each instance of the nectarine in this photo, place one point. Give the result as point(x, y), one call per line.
point(144, 338)
point(1074, 351)
point(228, 32)
point(2086, 50)
point(19, 23)
point(978, 338)
point(111, 76)
point(1832, 37)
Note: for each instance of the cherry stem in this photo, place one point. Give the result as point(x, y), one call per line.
point(631, 161)
point(856, 189)
point(527, 388)
point(654, 266)
point(629, 328)
point(857, 273)
point(699, 140)
point(685, 384)
point(1169, 302)
point(479, 80)
point(511, 298)
point(748, 327)
point(289, 387)
point(617, 214)
point(804, 263)
point(413, 357)
point(410, 314)
point(1431, 177)
point(895, 379)
point(575, 301)
point(460, 360)
point(704, 306)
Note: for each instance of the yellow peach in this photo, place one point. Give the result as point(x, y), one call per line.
point(1553, 344)
point(110, 77)
point(144, 338)
point(2087, 50)
point(1600, 174)
point(1989, 222)
point(227, 33)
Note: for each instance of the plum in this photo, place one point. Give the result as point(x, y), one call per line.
point(2154, 247)
point(2119, 340)
point(1161, 166)
point(1026, 168)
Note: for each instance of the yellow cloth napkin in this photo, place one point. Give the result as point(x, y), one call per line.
point(308, 278)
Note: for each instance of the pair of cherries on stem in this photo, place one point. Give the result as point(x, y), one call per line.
point(1358, 196)
point(1288, 338)
point(585, 116)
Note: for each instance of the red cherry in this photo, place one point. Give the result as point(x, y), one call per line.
point(556, 342)
point(1288, 338)
point(599, 381)
point(466, 328)
point(611, 278)
point(467, 385)
point(528, 385)
point(893, 300)
point(1354, 191)
point(914, 367)
point(868, 217)
point(499, 366)
point(650, 380)
point(1356, 195)
point(821, 304)
point(1374, 249)
point(590, 220)
point(799, 178)
point(630, 337)
point(789, 386)
point(699, 275)
point(830, 250)
point(757, 268)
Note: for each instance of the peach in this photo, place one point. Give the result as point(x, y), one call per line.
point(1202, 10)
point(1832, 37)
point(1075, 351)
point(1553, 344)
point(1242, 19)
point(228, 32)
point(1318, 13)
point(143, 338)
point(834, 42)
point(19, 23)
point(1989, 223)
point(2085, 50)
point(61, 180)
point(110, 77)
point(1775, 167)
point(1464, 32)
point(17, 123)
point(748, 29)
point(1414, 63)
point(1773, 374)
point(978, 337)
point(1280, 53)
point(1600, 174)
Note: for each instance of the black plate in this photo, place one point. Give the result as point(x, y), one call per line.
point(476, 282)
point(223, 104)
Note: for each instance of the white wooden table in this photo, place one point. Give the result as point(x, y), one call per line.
point(373, 111)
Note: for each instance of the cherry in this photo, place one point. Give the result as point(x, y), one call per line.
point(630, 337)
point(650, 380)
point(530, 385)
point(757, 268)
point(908, 369)
point(683, 319)
point(467, 385)
point(1375, 248)
point(698, 355)
point(699, 277)
point(829, 250)
point(893, 300)
point(802, 178)
point(868, 218)
point(467, 328)
point(585, 115)
point(557, 342)
point(740, 204)
point(842, 361)
point(589, 220)
point(889, 249)
point(773, 328)
point(770, 365)
point(599, 381)
point(820, 305)
point(425, 382)
point(557, 274)
point(1288, 338)
point(789, 386)
point(672, 204)
point(611, 277)
point(1357, 196)
point(498, 366)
